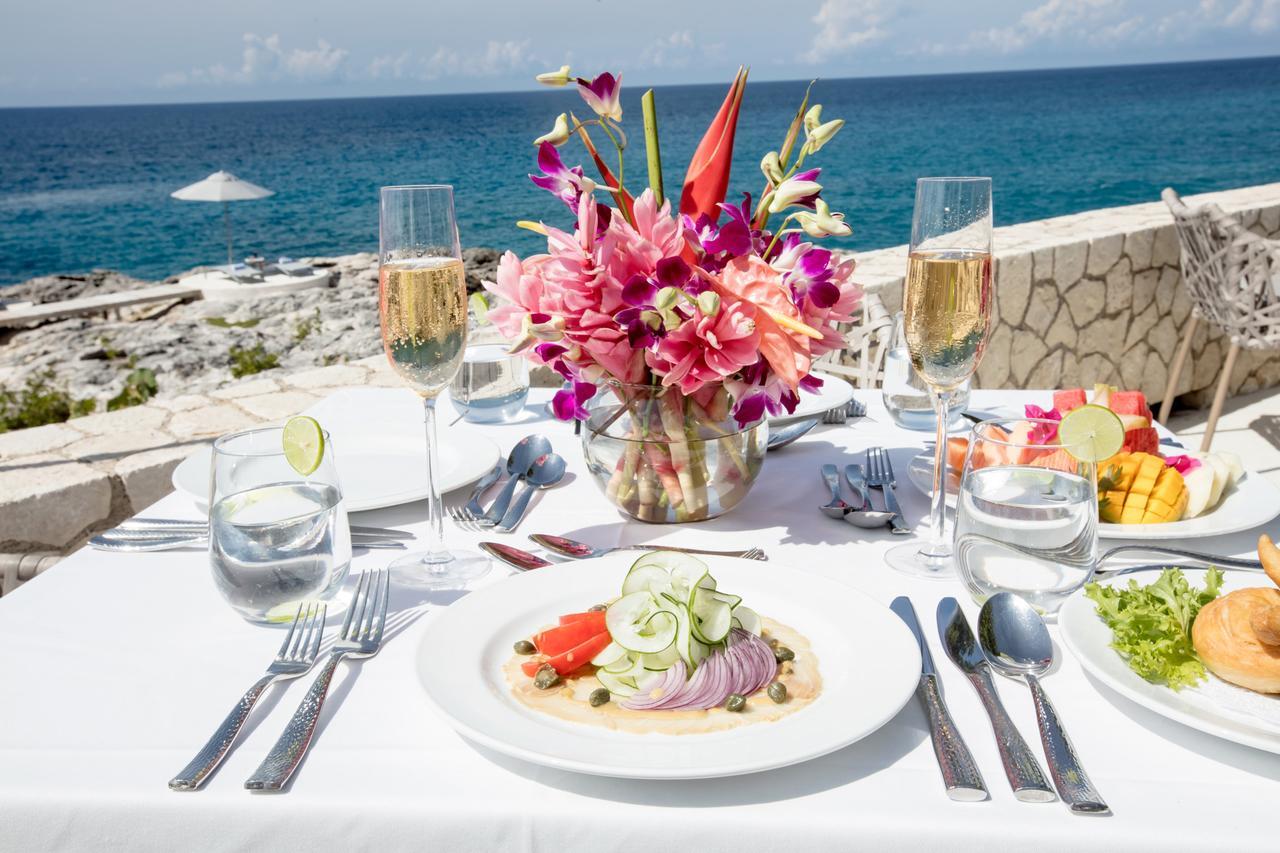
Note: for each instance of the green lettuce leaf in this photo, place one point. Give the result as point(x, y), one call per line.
point(1152, 624)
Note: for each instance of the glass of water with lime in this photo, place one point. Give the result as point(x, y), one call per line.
point(278, 531)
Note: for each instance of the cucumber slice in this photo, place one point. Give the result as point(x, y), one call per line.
point(685, 571)
point(646, 577)
point(661, 661)
point(622, 664)
point(614, 684)
point(746, 619)
point(711, 615)
point(639, 624)
point(612, 653)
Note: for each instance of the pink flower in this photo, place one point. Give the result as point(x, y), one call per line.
point(1182, 463)
point(1042, 433)
point(601, 94)
point(708, 348)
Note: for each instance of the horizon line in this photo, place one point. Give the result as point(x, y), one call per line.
point(800, 80)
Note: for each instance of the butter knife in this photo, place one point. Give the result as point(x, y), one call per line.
point(1020, 764)
point(960, 772)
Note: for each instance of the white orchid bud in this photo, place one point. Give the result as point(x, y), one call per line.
point(555, 78)
point(812, 119)
point(666, 298)
point(822, 222)
point(559, 133)
point(823, 133)
point(771, 165)
point(709, 303)
point(791, 191)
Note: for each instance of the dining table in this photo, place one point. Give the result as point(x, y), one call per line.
point(115, 668)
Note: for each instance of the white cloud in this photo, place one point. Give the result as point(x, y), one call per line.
point(265, 59)
point(1075, 22)
point(496, 59)
point(674, 51)
point(844, 25)
point(1257, 16)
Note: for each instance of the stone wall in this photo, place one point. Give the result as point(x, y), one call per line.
point(1098, 297)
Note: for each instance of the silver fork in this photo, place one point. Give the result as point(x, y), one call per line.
point(880, 476)
point(471, 515)
point(361, 638)
point(296, 656)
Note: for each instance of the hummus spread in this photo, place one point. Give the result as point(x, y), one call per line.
point(568, 700)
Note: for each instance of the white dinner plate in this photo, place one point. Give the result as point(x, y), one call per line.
point(1088, 638)
point(834, 392)
point(1251, 502)
point(868, 660)
point(381, 451)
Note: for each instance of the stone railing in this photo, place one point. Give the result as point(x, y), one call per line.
point(1098, 297)
point(1092, 297)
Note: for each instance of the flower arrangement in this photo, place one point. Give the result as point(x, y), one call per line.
point(711, 307)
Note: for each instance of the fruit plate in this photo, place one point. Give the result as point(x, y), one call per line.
point(1253, 501)
point(380, 448)
point(869, 662)
point(834, 392)
point(1214, 707)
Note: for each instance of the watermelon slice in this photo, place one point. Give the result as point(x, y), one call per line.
point(1068, 399)
point(1142, 441)
point(1130, 403)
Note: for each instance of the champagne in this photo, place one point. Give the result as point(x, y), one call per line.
point(423, 304)
point(948, 313)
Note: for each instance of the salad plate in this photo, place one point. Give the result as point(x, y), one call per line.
point(1213, 707)
point(381, 451)
point(1251, 502)
point(834, 392)
point(868, 660)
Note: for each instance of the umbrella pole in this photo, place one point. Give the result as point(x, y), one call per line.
point(226, 221)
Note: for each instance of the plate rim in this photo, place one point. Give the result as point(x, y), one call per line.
point(398, 498)
point(1226, 729)
point(744, 767)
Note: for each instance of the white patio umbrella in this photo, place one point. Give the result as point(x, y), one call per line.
point(223, 187)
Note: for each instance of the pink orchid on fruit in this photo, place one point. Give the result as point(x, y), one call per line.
point(1042, 433)
point(1182, 463)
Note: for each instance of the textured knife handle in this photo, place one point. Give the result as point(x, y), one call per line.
point(207, 759)
point(291, 748)
point(1020, 764)
point(832, 480)
point(1073, 785)
point(891, 503)
point(513, 515)
point(499, 509)
point(960, 772)
point(700, 551)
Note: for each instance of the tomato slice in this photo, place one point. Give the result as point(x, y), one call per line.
point(596, 617)
point(572, 659)
point(554, 641)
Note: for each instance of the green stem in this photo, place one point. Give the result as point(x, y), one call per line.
point(654, 153)
point(777, 235)
point(622, 171)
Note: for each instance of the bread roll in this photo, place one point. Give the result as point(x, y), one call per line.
point(1225, 639)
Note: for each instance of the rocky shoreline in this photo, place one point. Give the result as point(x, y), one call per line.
point(189, 346)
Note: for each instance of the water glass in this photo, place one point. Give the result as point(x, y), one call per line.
point(492, 385)
point(276, 537)
point(1027, 514)
point(906, 395)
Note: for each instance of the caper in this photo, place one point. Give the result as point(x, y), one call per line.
point(598, 697)
point(735, 703)
point(546, 678)
point(597, 607)
point(778, 692)
point(783, 654)
point(524, 647)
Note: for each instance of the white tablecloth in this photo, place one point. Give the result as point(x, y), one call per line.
point(114, 669)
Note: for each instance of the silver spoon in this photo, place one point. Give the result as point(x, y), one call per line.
point(868, 518)
point(784, 435)
point(515, 557)
point(519, 461)
point(545, 472)
point(836, 507)
point(1016, 642)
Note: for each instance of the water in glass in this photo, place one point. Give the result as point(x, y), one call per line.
point(492, 386)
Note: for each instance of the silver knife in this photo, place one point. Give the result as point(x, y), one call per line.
point(898, 523)
point(1020, 764)
point(857, 481)
point(960, 772)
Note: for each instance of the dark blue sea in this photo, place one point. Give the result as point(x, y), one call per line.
point(82, 188)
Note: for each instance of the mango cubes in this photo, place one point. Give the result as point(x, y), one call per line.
point(1139, 488)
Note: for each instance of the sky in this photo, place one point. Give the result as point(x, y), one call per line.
point(72, 52)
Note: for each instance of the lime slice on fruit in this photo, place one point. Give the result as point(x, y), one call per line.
point(303, 443)
point(1091, 433)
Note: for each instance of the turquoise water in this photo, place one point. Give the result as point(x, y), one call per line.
point(89, 187)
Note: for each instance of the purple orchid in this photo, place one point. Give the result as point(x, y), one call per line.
point(564, 183)
point(553, 356)
point(639, 294)
point(722, 243)
point(569, 404)
point(601, 94)
point(810, 279)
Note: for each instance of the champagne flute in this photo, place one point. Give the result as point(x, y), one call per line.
point(947, 305)
point(422, 303)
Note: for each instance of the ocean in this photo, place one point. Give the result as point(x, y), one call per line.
point(84, 188)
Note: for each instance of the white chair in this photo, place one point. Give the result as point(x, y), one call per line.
point(863, 359)
point(1233, 279)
